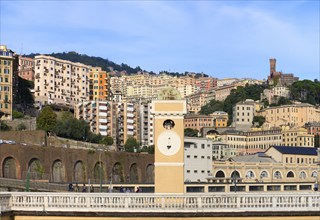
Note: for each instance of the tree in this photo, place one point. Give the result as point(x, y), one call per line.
point(47, 119)
point(258, 119)
point(211, 107)
point(17, 114)
point(106, 141)
point(189, 132)
point(131, 145)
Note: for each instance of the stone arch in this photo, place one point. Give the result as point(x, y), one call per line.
point(290, 174)
point(135, 173)
point(9, 168)
point(212, 132)
point(236, 173)
point(220, 174)
point(117, 173)
point(36, 169)
point(58, 171)
point(150, 173)
point(79, 172)
point(97, 171)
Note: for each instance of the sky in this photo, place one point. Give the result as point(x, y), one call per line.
point(219, 38)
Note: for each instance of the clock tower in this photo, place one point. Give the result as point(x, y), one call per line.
point(169, 145)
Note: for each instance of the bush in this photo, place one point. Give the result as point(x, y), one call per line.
point(21, 127)
point(17, 114)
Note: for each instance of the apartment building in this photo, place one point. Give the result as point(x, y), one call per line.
point(197, 159)
point(60, 82)
point(128, 123)
point(223, 92)
point(205, 84)
point(243, 113)
point(8, 71)
point(273, 95)
point(220, 119)
point(296, 114)
point(195, 102)
point(226, 82)
point(146, 124)
point(26, 68)
point(99, 84)
point(197, 122)
point(313, 128)
point(222, 151)
point(100, 115)
point(296, 137)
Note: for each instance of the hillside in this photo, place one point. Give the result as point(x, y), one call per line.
point(106, 64)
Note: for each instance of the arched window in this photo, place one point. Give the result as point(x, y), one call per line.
point(302, 175)
point(235, 174)
point(250, 174)
point(263, 174)
point(277, 175)
point(314, 174)
point(290, 174)
point(220, 174)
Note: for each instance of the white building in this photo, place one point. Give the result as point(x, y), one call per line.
point(197, 159)
point(243, 113)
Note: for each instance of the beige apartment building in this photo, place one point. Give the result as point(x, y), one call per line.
point(221, 93)
point(128, 123)
point(195, 102)
point(99, 84)
point(60, 82)
point(8, 68)
point(296, 114)
point(26, 68)
point(101, 116)
point(273, 95)
point(7, 59)
point(243, 113)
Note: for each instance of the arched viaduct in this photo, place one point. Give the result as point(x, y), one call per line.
point(62, 165)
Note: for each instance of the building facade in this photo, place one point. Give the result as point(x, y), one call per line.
point(294, 115)
point(198, 159)
point(8, 69)
point(26, 68)
point(60, 82)
point(99, 84)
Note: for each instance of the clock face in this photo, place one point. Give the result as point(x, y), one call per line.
point(169, 143)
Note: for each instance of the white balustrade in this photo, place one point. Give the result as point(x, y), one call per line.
point(140, 202)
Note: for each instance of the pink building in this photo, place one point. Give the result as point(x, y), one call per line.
point(26, 68)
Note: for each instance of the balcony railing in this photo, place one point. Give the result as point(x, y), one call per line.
point(196, 203)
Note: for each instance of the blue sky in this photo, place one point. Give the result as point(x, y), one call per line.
point(219, 38)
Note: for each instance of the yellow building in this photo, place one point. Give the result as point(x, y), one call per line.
point(99, 84)
point(8, 68)
point(296, 114)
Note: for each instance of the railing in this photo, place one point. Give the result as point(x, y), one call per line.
point(139, 202)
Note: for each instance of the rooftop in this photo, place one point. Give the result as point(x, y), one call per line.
point(296, 150)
